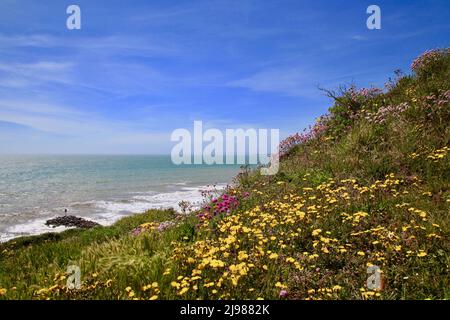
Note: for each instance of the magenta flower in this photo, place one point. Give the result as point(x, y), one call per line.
point(283, 293)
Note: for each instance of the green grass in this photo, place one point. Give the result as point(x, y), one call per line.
point(31, 263)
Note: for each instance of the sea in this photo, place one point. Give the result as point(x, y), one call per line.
point(101, 188)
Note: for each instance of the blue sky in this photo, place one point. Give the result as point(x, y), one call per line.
point(139, 69)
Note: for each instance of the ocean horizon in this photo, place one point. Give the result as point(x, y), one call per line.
point(102, 188)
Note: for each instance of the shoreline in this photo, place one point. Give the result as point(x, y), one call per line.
point(38, 226)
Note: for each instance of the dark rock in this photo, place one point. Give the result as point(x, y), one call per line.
point(71, 221)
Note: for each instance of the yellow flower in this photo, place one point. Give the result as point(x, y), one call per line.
point(2, 292)
point(190, 260)
point(273, 256)
point(242, 255)
point(337, 288)
point(316, 232)
point(154, 297)
point(183, 291)
point(421, 253)
point(360, 253)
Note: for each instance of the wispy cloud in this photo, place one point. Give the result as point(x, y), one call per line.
point(80, 129)
point(104, 45)
point(32, 74)
point(290, 81)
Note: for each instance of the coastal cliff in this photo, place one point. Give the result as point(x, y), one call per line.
point(358, 210)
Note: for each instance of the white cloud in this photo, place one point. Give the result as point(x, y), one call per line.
point(82, 131)
point(18, 75)
point(104, 45)
point(289, 81)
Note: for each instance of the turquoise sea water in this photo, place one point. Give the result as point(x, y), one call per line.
point(101, 188)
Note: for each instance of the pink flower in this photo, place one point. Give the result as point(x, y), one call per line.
point(283, 293)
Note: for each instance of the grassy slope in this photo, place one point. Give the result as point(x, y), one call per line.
point(368, 188)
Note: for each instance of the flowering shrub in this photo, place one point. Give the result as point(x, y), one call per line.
point(385, 112)
point(436, 103)
point(364, 94)
point(428, 61)
point(299, 138)
point(224, 204)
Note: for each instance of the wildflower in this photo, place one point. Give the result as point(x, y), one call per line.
point(361, 253)
point(154, 297)
point(421, 253)
point(290, 259)
point(273, 256)
point(183, 291)
point(190, 260)
point(283, 293)
point(242, 255)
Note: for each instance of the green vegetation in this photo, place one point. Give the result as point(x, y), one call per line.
point(369, 185)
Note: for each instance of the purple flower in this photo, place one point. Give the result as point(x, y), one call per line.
point(283, 293)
